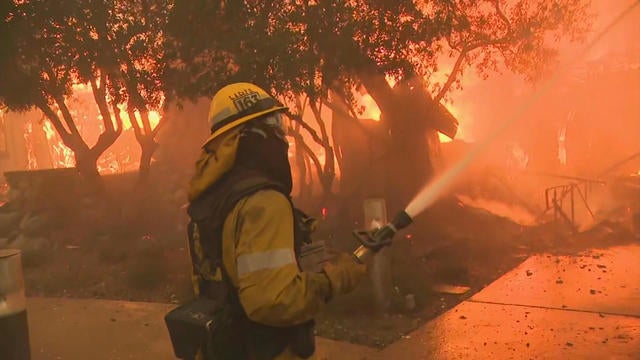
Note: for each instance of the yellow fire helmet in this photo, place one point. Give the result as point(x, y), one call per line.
point(237, 103)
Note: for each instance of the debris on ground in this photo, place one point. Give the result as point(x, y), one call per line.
point(450, 289)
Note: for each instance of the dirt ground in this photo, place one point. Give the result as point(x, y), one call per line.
point(452, 244)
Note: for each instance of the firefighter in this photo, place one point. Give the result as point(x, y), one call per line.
point(245, 235)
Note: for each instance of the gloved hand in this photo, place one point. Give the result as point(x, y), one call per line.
point(344, 274)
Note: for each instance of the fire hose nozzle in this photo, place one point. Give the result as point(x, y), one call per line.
point(373, 240)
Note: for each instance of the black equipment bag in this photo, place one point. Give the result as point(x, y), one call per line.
point(191, 326)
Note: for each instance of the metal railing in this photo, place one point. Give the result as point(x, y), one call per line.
point(557, 196)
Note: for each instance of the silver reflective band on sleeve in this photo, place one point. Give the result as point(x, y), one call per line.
point(272, 259)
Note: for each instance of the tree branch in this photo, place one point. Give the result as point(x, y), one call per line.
point(505, 19)
point(316, 161)
point(337, 150)
point(300, 159)
point(301, 105)
point(66, 115)
point(58, 96)
point(309, 174)
point(329, 172)
point(481, 40)
point(160, 124)
point(105, 140)
point(42, 104)
point(99, 97)
point(146, 125)
point(321, 125)
point(298, 118)
point(134, 124)
point(452, 77)
point(116, 112)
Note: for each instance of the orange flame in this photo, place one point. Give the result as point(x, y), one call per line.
point(122, 156)
point(32, 162)
point(369, 108)
point(154, 118)
point(61, 155)
point(462, 133)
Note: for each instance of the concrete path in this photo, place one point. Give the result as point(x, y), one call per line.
point(77, 329)
point(97, 329)
point(550, 307)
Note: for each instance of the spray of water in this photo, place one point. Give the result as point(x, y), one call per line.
point(427, 196)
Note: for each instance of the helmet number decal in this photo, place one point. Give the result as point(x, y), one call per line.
point(245, 99)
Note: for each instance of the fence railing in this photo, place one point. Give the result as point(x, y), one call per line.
point(556, 197)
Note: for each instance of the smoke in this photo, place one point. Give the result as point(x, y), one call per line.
point(544, 111)
point(515, 213)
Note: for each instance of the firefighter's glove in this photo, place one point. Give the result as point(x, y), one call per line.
point(344, 274)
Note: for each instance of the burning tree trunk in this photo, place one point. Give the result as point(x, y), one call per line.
point(302, 159)
point(146, 137)
point(86, 157)
point(325, 171)
point(139, 73)
point(86, 162)
point(408, 111)
point(328, 173)
point(144, 132)
point(304, 186)
point(148, 147)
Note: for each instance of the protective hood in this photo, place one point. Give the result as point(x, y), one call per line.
point(215, 161)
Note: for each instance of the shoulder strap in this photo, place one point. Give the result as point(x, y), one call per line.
point(212, 208)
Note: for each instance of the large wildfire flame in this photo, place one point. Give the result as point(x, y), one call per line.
point(122, 156)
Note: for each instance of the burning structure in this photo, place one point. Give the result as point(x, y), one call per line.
point(359, 139)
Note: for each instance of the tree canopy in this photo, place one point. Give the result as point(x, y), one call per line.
point(139, 52)
point(324, 49)
point(114, 46)
point(312, 46)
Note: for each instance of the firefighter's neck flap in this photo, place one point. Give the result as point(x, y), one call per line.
point(217, 159)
